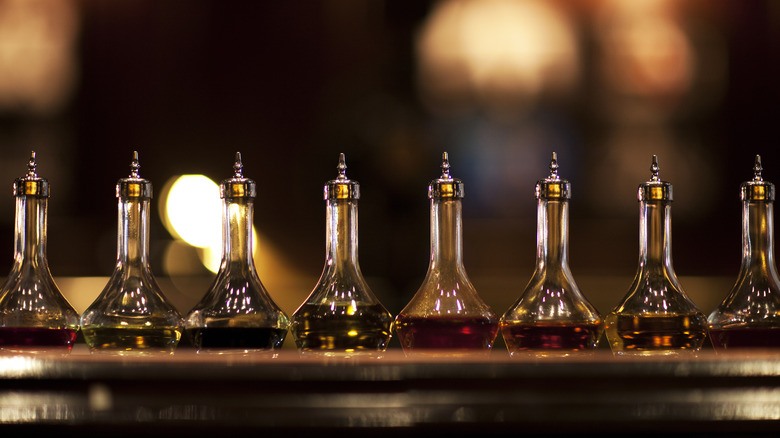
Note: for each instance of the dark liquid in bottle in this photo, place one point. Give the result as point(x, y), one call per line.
point(446, 332)
point(341, 328)
point(742, 337)
point(36, 338)
point(647, 333)
point(520, 337)
point(236, 338)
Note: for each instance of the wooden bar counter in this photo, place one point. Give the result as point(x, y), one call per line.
point(189, 394)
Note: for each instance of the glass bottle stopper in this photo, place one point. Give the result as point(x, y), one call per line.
point(445, 186)
point(31, 184)
point(341, 187)
point(655, 189)
point(238, 186)
point(134, 186)
point(553, 187)
point(757, 189)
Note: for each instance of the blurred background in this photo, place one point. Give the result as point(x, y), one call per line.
point(498, 84)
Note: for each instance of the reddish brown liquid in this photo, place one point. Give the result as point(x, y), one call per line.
point(734, 338)
point(551, 336)
point(446, 333)
point(36, 338)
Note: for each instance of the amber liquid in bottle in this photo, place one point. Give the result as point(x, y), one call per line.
point(656, 317)
point(551, 336)
point(659, 332)
point(551, 317)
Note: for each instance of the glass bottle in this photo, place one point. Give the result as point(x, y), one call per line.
point(749, 316)
point(656, 316)
point(131, 315)
point(446, 315)
point(551, 317)
point(342, 316)
point(237, 315)
point(34, 315)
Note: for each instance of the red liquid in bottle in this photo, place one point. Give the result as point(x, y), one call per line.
point(742, 337)
point(446, 333)
point(551, 336)
point(32, 338)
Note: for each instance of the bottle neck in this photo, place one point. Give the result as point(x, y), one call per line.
point(342, 234)
point(133, 232)
point(237, 233)
point(655, 236)
point(446, 234)
point(30, 230)
point(552, 234)
point(757, 236)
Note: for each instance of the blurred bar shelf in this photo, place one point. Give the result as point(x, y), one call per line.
point(190, 394)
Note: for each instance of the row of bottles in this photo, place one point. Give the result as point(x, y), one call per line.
point(342, 316)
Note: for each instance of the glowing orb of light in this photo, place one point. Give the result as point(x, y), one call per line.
point(192, 211)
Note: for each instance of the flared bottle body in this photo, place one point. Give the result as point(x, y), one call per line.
point(552, 317)
point(749, 316)
point(341, 315)
point(446, 316)
point(655, 317)
point(34, 315)
point(131, 315)
point(237, 314)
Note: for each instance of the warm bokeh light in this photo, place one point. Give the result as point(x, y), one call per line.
point(192, 210)
point(38, 65)
point(496, 54)
point(645, 50)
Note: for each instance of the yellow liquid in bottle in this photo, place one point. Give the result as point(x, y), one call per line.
point(140, 340)
point(321, 328)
